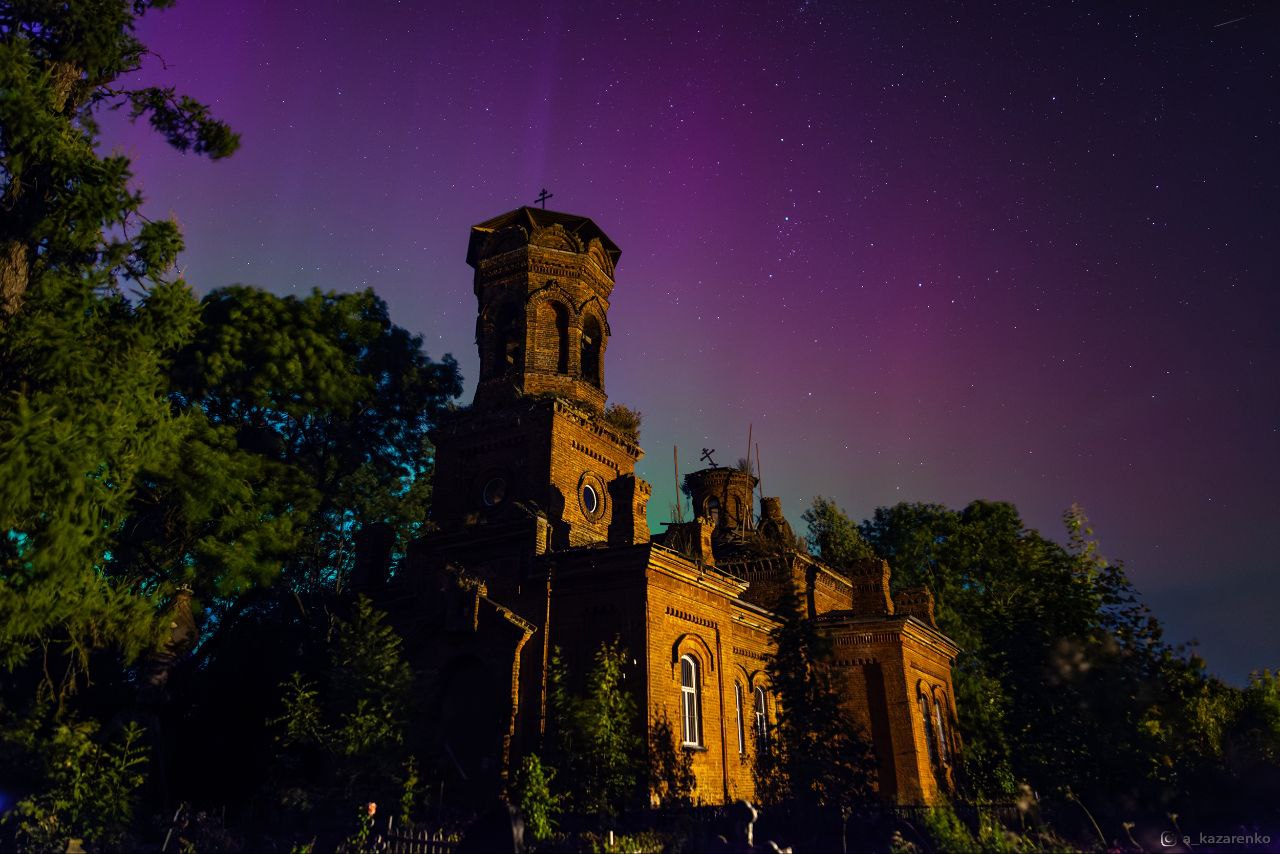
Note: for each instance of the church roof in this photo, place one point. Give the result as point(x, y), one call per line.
point(531, 218)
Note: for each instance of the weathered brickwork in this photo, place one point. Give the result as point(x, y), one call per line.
point(543, 284)
point(542, 543)
point(882, 665)
point(746, 668)
point(723, 496)
point(587, 453)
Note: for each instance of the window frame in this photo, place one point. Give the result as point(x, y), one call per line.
point(762, 713)
point(924, 703)
point(690, 703)
point(742, 733)
point(940, 722)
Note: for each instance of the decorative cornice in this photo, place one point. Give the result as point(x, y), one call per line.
point(754, 655)
point(677, 566)
point(692, 618)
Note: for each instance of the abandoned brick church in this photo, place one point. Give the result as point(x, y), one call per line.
point(541, 540)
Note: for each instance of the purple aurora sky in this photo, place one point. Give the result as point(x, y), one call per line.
point(933, 252)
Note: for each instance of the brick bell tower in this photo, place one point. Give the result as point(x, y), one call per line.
point(543, 281)
point(534, 441)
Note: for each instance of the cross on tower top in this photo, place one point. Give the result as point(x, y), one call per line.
point(706, 455)
point(542, 198)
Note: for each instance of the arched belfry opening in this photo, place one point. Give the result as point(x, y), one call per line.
point(560, 316)
point(592, 346)
point(549, 341)
point(508, 339)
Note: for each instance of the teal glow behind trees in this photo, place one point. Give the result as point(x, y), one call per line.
point(91, 313)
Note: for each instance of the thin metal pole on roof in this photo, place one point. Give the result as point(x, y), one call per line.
point(675, 453)
point(746, 521)
point(759, 478)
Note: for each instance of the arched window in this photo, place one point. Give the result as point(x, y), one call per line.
point(508, 340)
point(691, 702)
point(940, 723)
point(592, 342)
point(930, 742)
point(713, 511)
point(737, 704)
point(762, 715)
point(562, 337)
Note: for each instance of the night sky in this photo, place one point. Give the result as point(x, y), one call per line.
point(932, 252)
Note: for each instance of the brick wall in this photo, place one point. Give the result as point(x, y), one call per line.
point(546, 451)
point(882, 665)
point(586, 452)
point(750, 643)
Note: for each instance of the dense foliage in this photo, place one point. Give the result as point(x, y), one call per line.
point(328, 396)
point(89, 784)
point(594, 734)
point(833, 535)
point(1065, 682)
point(1055, 643)
point(340, 737)
point(624, 419)
point(532, 793)
point(816, 756)
point(91, 315)
point(175, 471)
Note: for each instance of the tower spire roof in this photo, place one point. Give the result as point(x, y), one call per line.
point(530, 218)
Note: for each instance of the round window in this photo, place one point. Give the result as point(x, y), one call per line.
point(591, 496)
point(494, 491)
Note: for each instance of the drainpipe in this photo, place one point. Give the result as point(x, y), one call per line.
point(724, 747)
point(546, 656)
